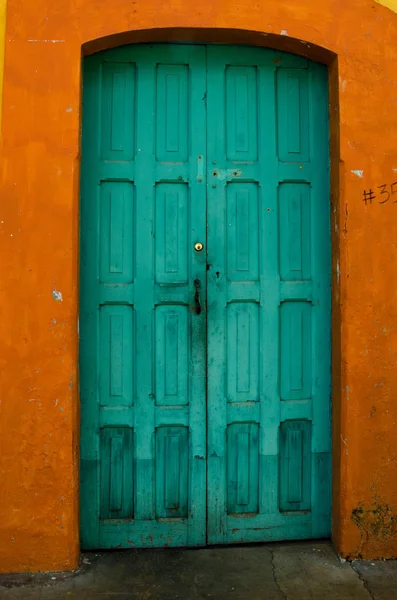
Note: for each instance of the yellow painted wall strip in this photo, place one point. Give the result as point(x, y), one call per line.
point(392, 4)
point(3, 16)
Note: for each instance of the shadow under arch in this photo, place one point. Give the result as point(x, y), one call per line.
point(212, 35)
point(284, 43)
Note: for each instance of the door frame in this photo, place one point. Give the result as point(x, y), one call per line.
point(316, 54)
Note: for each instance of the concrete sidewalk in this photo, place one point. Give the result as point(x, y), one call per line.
point(288, 571)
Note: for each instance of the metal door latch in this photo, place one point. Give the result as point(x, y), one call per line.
point(197, 285)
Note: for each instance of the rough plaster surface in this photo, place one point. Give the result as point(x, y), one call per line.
point(39, 183)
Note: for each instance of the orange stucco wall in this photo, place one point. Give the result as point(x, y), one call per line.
point(39, 250)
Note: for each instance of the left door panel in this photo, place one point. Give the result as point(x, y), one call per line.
point(142, 345)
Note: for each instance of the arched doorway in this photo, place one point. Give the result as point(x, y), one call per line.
point(205, 297)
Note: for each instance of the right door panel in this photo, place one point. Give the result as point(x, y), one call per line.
point(269, 357)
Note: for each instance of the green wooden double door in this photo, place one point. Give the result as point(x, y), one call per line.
point(205, 373)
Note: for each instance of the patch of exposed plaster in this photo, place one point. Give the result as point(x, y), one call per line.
point(342, 84)
point(57, 295)
point(283, 32)
point(358, 172)
point(375, 520)
point(46, 41)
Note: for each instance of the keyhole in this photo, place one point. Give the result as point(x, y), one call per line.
point(217, 274)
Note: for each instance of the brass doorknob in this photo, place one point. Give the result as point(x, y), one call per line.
point(198, 247)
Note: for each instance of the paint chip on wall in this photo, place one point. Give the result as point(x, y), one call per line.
point(57, 295)
point(46, 41)
point(358, 172)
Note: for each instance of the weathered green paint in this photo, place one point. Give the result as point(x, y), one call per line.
point(268, 297)
point(142, 350)
point(211, 427)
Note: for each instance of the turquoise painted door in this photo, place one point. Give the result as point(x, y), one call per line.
point(205, 375)
point(143, 386)
point(269, 461)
